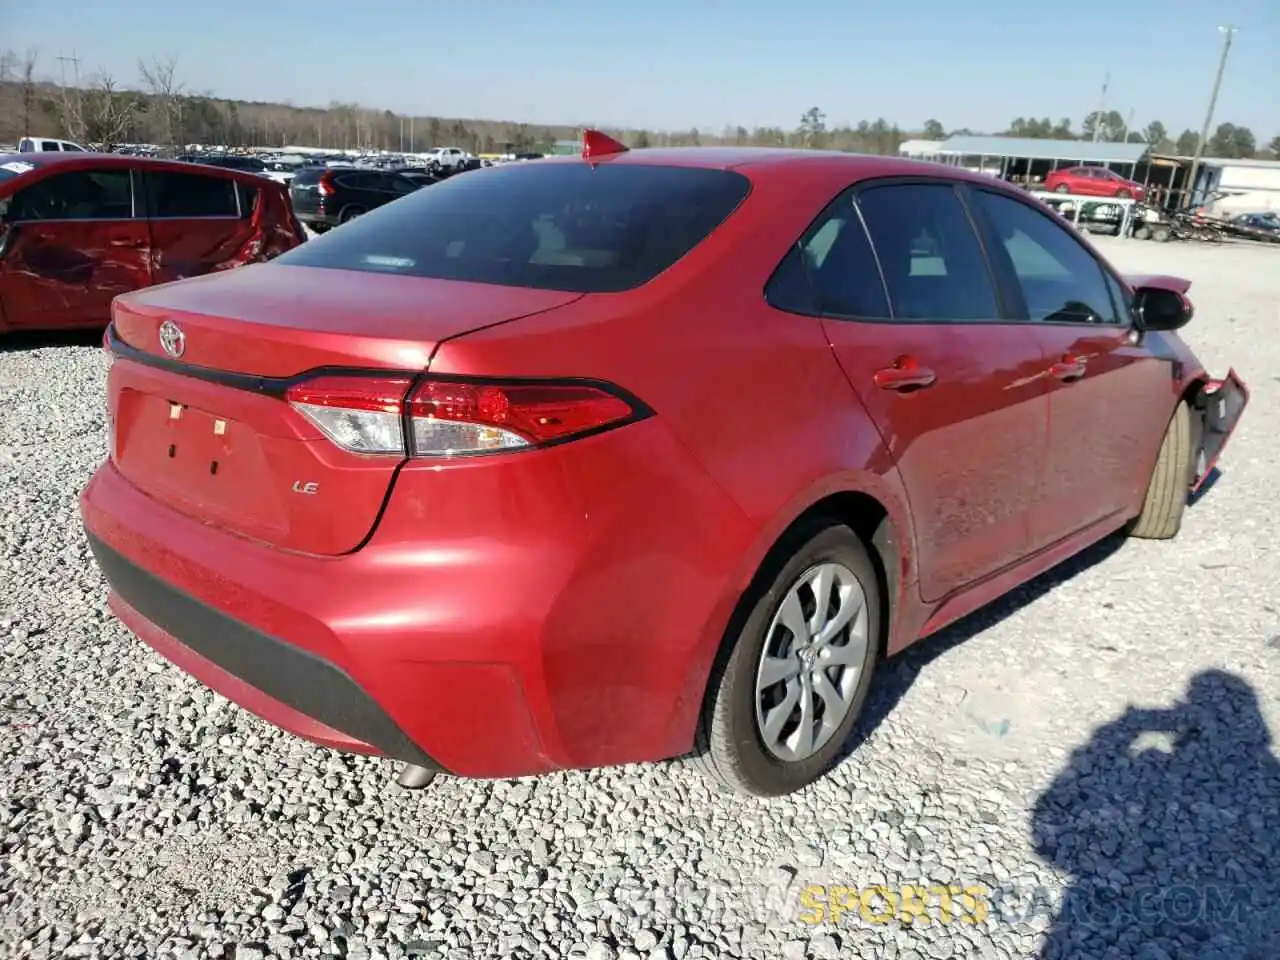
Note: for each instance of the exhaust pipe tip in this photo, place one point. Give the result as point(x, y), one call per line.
point(413, 777)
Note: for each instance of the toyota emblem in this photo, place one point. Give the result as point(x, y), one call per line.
point(172, 339)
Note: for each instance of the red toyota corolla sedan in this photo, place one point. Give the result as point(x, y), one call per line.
point(1094, 182)
point(632, 455)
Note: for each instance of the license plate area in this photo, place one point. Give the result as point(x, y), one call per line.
point(197, 460)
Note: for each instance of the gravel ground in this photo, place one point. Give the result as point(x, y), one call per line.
point(1094, 756)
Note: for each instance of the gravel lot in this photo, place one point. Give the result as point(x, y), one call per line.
point(1099, 742)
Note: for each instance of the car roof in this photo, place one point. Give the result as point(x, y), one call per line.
point(70, 159)
point(784, 161)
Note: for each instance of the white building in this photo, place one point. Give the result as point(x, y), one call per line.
point(1256, 183)
point(920, 149)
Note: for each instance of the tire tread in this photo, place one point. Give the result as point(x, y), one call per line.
point(1170, 483)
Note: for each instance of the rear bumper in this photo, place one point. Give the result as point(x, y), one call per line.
point(502, 620)
point(285, 685)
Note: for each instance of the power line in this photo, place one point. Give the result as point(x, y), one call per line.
point(75, 62)
point(1227, 32)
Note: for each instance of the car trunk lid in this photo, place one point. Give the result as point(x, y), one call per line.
point(204, 426)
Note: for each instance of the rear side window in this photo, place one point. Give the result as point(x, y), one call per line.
point(358, 181)
point(555, 226)
point(249, 198)
point(836, 258)
point(76, 195)
point(933, 264)
point(186, 195)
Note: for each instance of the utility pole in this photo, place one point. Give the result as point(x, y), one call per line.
point(75, 65)
point(1102, 102)
point(1227, 32)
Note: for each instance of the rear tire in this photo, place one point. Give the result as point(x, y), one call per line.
point(1161, 234)
point(731, 742)
point(1170, 484)
point(349, 214)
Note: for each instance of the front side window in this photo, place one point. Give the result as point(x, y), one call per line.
point(561, 226)
point(189, 195)
point(1060, 280)
point(932, 262)
point(76, 195)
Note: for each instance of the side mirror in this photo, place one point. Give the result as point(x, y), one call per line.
point(1155, 308)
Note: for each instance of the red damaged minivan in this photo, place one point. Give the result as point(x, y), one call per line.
point(77, 229)
point(634, 455)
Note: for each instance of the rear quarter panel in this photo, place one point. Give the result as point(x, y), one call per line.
point(753, 397)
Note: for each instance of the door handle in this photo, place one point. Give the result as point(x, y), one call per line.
point(1069, 369)
point(125, 242)
point(905, 374)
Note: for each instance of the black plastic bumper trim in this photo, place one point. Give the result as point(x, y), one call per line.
point(295, 677)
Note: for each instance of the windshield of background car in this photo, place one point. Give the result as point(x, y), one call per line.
point(9, 169)
point(556, 226)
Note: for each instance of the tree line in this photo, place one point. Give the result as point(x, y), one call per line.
point(159, 108)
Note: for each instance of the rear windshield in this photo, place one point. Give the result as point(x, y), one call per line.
point(309, 175)
point(555, 226)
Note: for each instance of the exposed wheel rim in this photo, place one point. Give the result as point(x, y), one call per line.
point(814, 653)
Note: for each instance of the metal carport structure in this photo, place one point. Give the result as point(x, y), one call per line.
point(1027, 160)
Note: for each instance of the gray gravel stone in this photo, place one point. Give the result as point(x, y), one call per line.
point(1105, 730)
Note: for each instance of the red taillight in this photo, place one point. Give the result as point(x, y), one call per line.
point(450, 418)
point(325, 186)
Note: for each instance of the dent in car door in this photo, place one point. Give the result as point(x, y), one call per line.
point(951, 389)
point(1109, 399)
point(197, 224)
point(74, 244)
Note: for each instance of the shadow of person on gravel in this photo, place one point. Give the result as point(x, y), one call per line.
point(1169, 823)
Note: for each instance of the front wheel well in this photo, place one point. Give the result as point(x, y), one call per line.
point(1191, 396)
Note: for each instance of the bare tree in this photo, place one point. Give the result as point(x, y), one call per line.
point(108, 112)
point(71, 111)
point(168, 94)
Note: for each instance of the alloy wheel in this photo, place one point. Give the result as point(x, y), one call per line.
point(813, 657)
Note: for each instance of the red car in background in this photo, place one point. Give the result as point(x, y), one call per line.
point(1094, 182)
point(634, 455)
point(77, 229)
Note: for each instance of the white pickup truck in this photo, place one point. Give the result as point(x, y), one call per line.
point(48, 145)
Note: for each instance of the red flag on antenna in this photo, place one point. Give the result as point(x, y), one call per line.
point(597, 144)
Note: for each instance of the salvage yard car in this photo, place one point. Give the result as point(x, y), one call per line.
point(636, 455)
point(1094, 182)
point(323, 198)
point(76, 229)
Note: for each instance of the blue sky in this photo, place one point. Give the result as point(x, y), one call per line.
point(673, 64)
